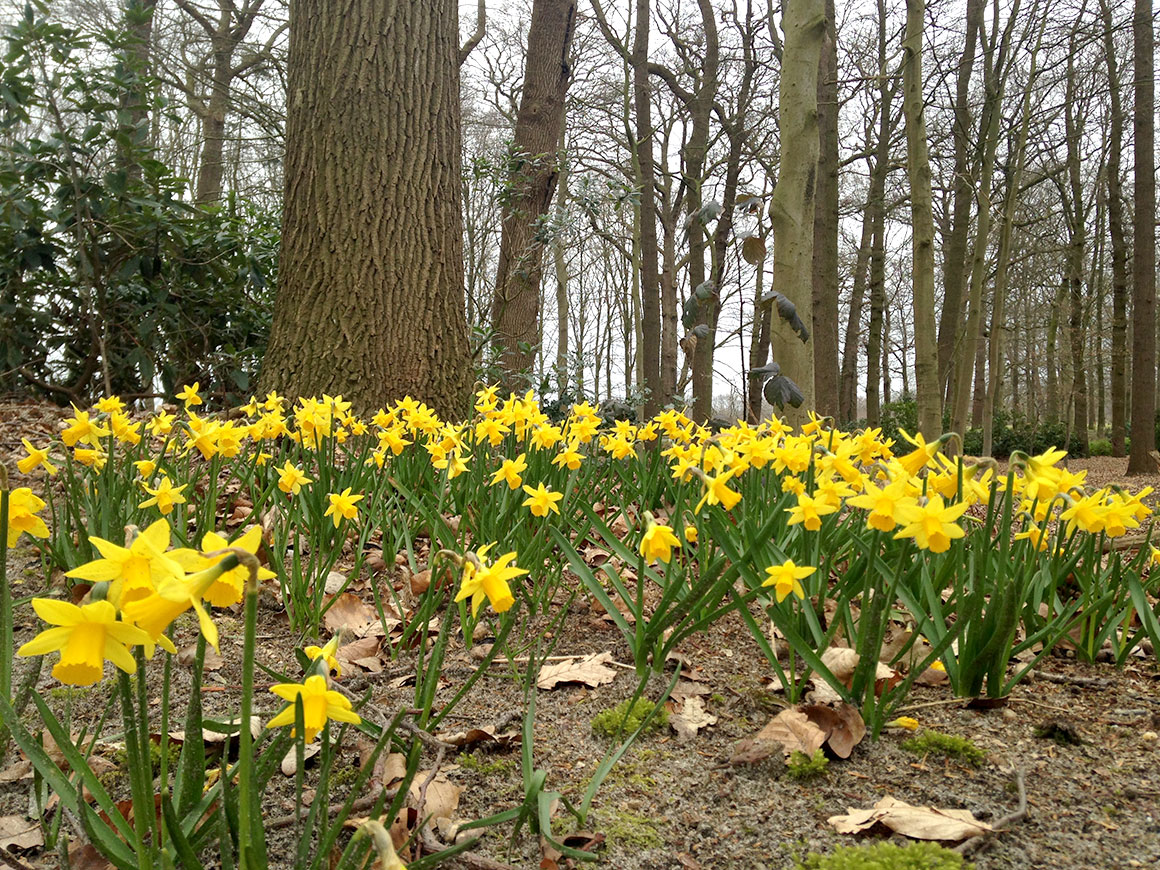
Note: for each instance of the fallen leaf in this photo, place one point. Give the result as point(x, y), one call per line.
point(351, 614)
point(592, 670)
point(187, 655)
point(358, 651)
point(842, 724)
point(920, 823)
point(290, 760)
point(334, 582)
point(691, 718)
point(473, 736)
point(794, 731)
point(17, 832)
point(18, 770)
point(843, 661)
point(442, 798)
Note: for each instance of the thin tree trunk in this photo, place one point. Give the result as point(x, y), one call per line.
point(848, 390)
point(929, 393)
point(515, 309)
point(1119, 239)
point(955, 257)
point(825, 258)
point(791, 208)
point(1144, 248)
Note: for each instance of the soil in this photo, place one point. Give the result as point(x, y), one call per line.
point(679, 803)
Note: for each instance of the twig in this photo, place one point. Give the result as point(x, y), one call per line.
point(974, 844)
point(469, 859)
point(16, 864)
point(363, 803)
point(1066, 680)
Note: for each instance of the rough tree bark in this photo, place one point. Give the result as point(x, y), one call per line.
point(927, 389)
point(955, 249)
point(791, 208)
point(825, 259)
point(1144, 248)
point(1118, 236)
point(370, 300)
point(534, 162)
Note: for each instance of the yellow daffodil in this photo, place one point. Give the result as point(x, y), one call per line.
point(81, 430)
point(86, 636)
point(717, 491)
point(882, 503)
point(133, 571)
point(320, 704)
point(691, 534)
point(510, 472)
point(165, 496)
point(22, 519)
point(326, 653)
point(905, 722)
point(809, 512)
point(658, 541)
point(110, 404)
point(229, 587)
point(291, 479)
point(541, 500)
point(342, 504)
point(786, 578)
point(35, 458)
point(189, 395)
point(932, 525)
point(489, 582)
point(570, 457)
point(156, 611)
point(923, 453)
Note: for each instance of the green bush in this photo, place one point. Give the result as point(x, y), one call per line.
point(935, 742)
point(887, 856)
point(801, 766)
point(607, 723)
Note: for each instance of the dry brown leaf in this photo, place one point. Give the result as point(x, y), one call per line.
point(842, 724)
point(187, 655)
point(919, 823)
point(356, 651)
point(691, 718)
point(18, 770)
point(794, 731)
point(842, 662)
point(17, 832)
point(290, 760)
point(353, 615)
point(486, 734)
point(592, 670)
point(442, 795)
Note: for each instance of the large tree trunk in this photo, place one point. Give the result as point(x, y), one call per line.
point(825, 260)
point(791, 209)
point(928, 391)
point(370, 301)
point(955, 249)
point(876, 208)
point(1144, 249)
point(515, 307)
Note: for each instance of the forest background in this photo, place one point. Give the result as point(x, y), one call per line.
point(954, 202)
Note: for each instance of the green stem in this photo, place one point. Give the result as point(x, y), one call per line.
point(248, 834)
point(6, 642)
point(138, 775)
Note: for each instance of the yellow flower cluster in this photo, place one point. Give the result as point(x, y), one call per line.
point(139, 590)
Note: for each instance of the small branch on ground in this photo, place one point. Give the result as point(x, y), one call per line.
point(974, 844)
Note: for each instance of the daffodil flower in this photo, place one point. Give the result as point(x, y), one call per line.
point(320, 704)
point(23, 506)
point(786, 578)
point(484, 582)
point(134, 571)
point(86, 637)
point(542, 500)
point(658, 541)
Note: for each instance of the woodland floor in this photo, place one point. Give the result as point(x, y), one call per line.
point(678, 803)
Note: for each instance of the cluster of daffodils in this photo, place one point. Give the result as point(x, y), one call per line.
point(910, 491)
point(139, 590)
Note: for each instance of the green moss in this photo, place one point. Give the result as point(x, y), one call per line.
point(887, 856)
point(801, 766)
point(607, 723)
point(485, 764)
point(937, 743)
point(630, 829)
